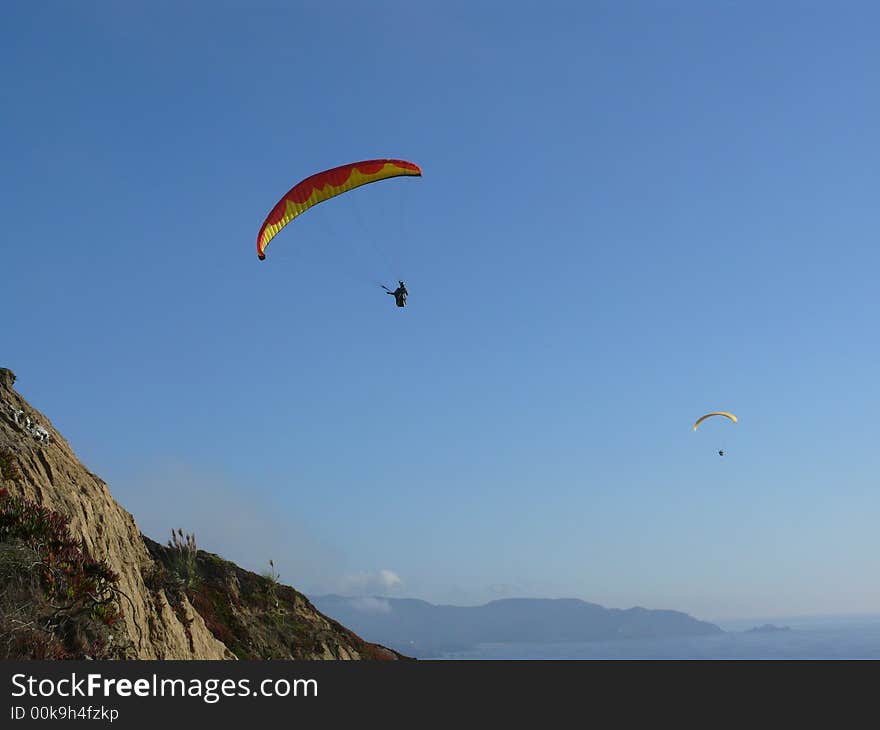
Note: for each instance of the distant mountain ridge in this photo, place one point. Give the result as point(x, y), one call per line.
point(419, 628)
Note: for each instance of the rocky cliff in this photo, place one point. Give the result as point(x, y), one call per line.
point(43, 484)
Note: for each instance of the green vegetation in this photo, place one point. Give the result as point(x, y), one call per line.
point(183, 557)
point(56, 601)
point(273, 578)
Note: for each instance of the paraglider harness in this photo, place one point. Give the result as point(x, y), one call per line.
point(399, 294)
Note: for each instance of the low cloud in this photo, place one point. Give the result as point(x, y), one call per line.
point(381, 582)
point(229, 519)
point(243, 525)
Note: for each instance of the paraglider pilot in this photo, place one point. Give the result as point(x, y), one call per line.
point(399, 294)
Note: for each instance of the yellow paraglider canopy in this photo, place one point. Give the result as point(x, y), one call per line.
point(714, 413)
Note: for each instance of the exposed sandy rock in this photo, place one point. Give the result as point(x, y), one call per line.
point(159, 620)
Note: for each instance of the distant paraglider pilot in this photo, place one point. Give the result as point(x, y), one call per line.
point(400, 294)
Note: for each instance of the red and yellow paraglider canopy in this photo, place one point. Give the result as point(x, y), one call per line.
point(325, 185)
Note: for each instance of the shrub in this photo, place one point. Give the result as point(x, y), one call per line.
point(183, 557)
point(56, 601)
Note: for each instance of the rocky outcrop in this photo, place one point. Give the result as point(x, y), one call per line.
point(52, 476)
point(256, 616)
point(159, 620)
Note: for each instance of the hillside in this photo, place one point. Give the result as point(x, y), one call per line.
point(78, 579)
point(423, 629)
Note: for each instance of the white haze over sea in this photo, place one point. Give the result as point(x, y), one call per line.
point(849, 637)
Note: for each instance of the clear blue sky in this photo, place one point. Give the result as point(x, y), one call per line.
point(631, 213)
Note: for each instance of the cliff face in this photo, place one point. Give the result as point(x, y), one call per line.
point(158, 618)
point(53, 477)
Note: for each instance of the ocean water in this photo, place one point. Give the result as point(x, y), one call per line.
point(815, 639)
